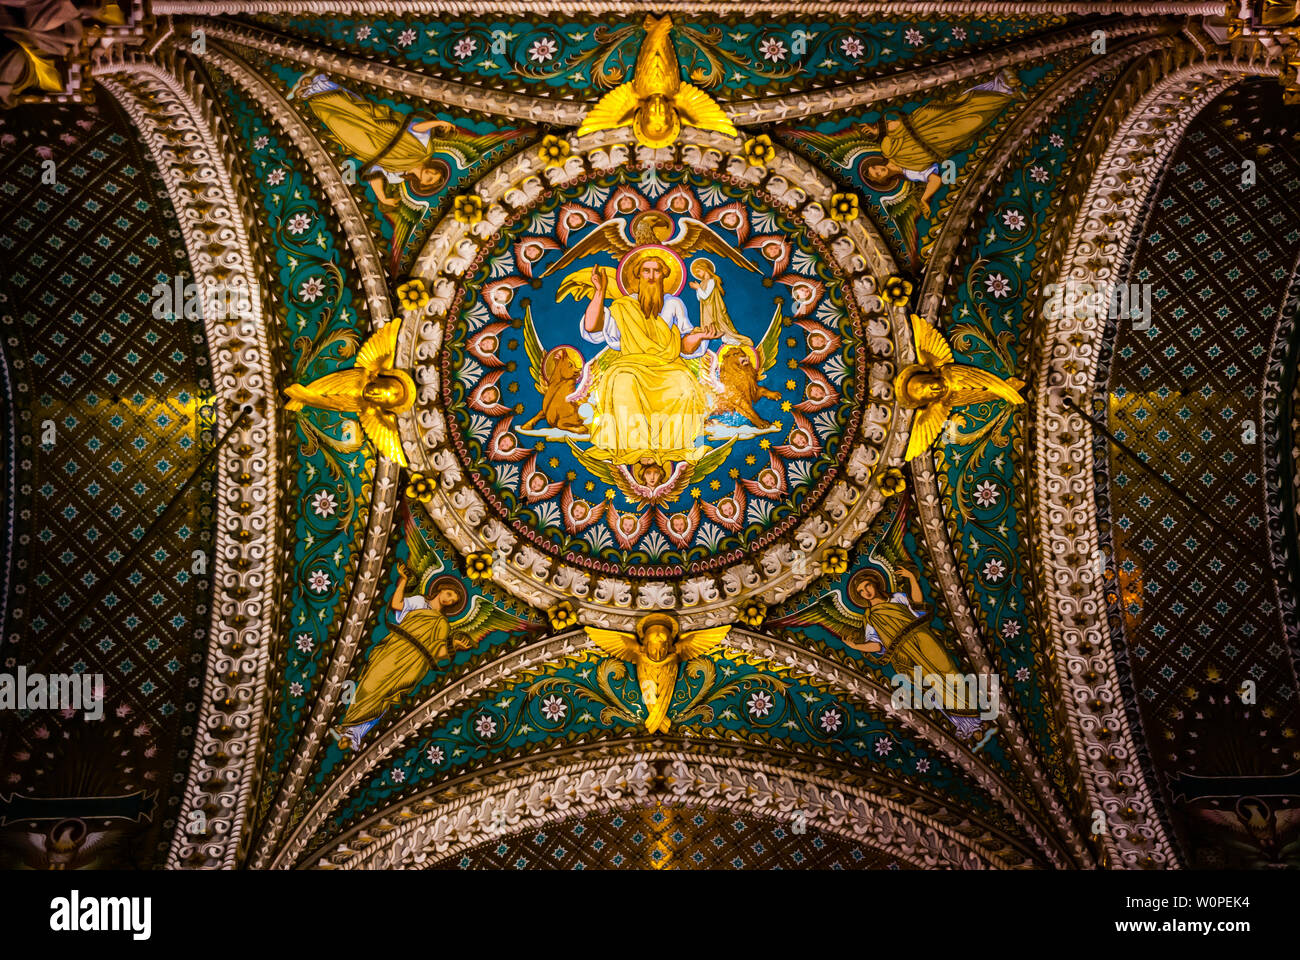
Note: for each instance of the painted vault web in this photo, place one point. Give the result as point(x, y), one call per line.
point(632, 415)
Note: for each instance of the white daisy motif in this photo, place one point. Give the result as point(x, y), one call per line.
point(553, 708)
point(542, 50)
point(959, 33)
point(1013, 219)
point(760, 704)
point(318, 581)
point(997, 285)
point(275, 177)
point(922, 766)
point(1038, 174)
point(295, 689)
point(363, 32)
point(311, 289)
point(1011, 628)
point(305, 642)
point(299, 223)
point(852, 47)
point(1056, 140)
point(883, 746)
point(465, 47)
point(831, 720)
point(261, 142)
point(1022, 674)
point(406, 38)
point(399, 775)
point(435, 754)
point(324, 504)
point(485, 725)
point(994, 570)
point(913, 37)
point(986, 494)
point(772, 49)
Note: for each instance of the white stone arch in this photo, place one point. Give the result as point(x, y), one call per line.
point(1105, 743)
point(175, 125)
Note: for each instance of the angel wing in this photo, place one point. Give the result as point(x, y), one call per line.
point(926, 426)
point(931, 347)
point(710, 461)
point(615, 109)
point(536, 354)
point(610, 237)
point(381, 427)
point(699, 643)
point(615, 643)
point(578, 284)
point(888, 552)
point(771, 342)
point(404, 219)
point(904, 208)
point(699, 110)
point(973, 385)
point(842, 148)
point(484, 617)
point(377, 353)
point(829, 612)
point(420, 556)
point(468, 148)
point(694, 235)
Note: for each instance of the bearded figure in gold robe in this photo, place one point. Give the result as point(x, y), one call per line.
point(651, 407)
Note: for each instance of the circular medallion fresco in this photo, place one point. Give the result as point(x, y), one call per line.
point(653, 371)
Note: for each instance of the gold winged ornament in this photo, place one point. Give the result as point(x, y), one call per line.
point(655, 101)
point(373, 389)
point(938, 383)
point(657, 651)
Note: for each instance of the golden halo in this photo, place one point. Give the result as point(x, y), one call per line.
point(548, 363)
point(745, 348)
point(666, 620)
point(630, 265)
point(434, 583)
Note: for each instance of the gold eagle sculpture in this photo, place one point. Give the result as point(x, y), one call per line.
point(657, 651)
point(938, 383)
point(373, 389)
point(656, 101)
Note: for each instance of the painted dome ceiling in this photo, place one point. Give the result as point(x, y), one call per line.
point(649, 438)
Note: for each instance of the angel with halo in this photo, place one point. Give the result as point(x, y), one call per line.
point(893, 623)
point(422, 634)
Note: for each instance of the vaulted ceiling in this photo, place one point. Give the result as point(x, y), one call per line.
point(371, 557)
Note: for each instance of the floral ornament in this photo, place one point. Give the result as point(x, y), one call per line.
point(562, 615)
point(468, 208)
point(844, 207)
point(835, 561)
point(553, 150)
point(478, 566)
point(759, 150)
point(419, 487)
point(753, 612)
point(412, 295)
point(892, 482)
point(896, 291)
point(760, 703)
